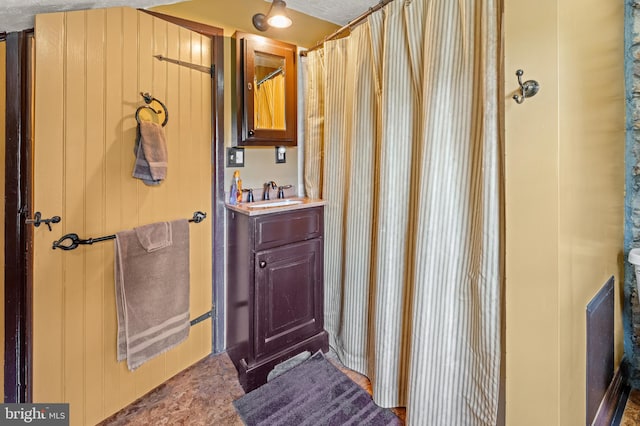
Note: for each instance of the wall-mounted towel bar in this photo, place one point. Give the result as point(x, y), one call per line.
point(75, 241)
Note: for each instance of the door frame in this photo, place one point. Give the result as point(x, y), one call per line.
point(18, 277)
point(18, 243)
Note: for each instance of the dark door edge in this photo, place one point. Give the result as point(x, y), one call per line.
point(18, 237)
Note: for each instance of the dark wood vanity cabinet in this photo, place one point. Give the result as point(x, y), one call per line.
point(274, 290)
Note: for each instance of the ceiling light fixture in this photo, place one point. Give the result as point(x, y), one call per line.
point(276, 17)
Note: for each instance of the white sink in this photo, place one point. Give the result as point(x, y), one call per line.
point(274, 203)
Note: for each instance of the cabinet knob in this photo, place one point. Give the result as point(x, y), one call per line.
point(251, 133)
point(263, 264)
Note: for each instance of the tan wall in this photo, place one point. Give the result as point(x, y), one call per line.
point(236, 16)
point(564, 198)
point(90, 68)
point(3, 99)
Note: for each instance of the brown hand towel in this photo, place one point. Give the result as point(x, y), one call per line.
point(151, 153)
point(152, 290)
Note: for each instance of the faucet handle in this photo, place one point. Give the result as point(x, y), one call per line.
point(281, 190)
point(250, 195)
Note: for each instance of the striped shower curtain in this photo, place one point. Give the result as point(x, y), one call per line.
point(402, 140)
point(268, 104)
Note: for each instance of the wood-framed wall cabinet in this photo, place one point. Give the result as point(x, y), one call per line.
point(266, 91)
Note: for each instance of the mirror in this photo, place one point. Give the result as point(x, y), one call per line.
point(266, 88)
point(269, 92)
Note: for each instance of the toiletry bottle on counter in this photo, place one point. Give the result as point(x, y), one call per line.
point(233, 192)
point(236, 176)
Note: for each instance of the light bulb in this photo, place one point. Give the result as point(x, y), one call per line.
point(279, 21)
point(277, 16)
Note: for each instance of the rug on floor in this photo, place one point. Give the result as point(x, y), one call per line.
point(312, 393)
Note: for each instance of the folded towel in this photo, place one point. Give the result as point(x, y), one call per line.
point(151, 153)
point(152, 290)
point(155, 236)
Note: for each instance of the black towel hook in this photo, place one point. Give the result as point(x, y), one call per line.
point(148, 99)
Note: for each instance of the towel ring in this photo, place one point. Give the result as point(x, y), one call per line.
point(148, 99)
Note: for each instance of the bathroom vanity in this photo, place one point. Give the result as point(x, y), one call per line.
point(274, 285)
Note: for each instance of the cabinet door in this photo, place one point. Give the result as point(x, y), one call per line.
point(289, 295)
point(266, 89)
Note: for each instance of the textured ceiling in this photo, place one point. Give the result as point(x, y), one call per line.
point(337, 11)
point(17, 15)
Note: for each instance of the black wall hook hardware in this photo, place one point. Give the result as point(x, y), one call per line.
point(198, 217)
point(74, 241)
point(148, 99)
point(528, 89)
point(37, 220)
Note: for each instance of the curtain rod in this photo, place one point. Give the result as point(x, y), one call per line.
point(270, 76)
point(349, 25)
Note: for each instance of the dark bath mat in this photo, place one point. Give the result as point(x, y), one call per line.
point(312, 393)
point(287, 365)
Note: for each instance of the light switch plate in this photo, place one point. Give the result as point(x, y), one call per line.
point(235, 157)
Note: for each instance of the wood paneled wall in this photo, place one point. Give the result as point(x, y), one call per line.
point(3, 99)
point(90, 69)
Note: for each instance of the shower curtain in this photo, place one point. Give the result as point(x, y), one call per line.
point(268, 104)
point(402, 140)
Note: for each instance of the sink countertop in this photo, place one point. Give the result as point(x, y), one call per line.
point(305, 204)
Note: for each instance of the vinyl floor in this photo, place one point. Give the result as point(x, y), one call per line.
point(202, 395)
point(631, 414)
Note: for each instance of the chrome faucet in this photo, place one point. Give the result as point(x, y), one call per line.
point(265, 189)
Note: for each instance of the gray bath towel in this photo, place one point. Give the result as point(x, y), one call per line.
point(152, 290)
point(151, 153)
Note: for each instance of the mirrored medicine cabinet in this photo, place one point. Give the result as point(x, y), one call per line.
point(266, 91)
